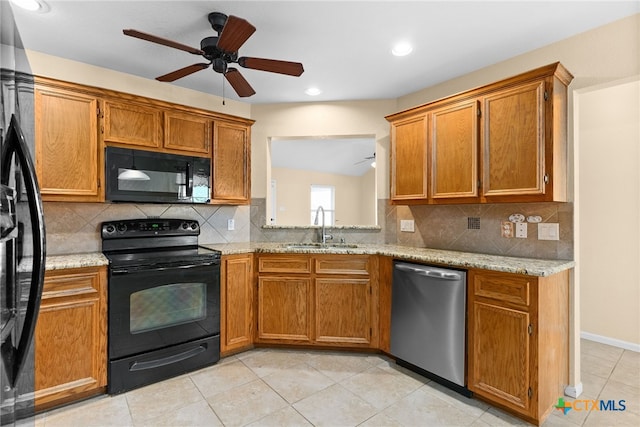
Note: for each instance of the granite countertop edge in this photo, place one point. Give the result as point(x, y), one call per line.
point(455, 259)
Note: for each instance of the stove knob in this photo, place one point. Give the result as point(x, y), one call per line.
point(184, 226)
point(109, 229)
point(194, 225)
point(121, 228)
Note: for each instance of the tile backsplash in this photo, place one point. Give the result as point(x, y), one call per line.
point(448, 227)
point(445, 227)
point(75, 227)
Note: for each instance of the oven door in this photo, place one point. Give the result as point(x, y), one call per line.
point(154, 308)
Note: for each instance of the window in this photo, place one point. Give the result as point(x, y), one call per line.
point(323, 195)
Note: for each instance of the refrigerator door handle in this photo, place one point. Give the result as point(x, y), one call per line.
point(15, 144)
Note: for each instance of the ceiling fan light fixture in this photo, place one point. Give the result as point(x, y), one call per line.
point(402, 49)
point(313, 91)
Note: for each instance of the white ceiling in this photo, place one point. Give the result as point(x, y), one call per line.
point(344, 45)
point(337, 155)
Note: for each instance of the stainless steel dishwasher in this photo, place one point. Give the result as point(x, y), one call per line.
point(428, 331)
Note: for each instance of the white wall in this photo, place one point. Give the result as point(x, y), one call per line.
point(72, 71)
point(319, 119)
point(294, 203)
point(608, 207)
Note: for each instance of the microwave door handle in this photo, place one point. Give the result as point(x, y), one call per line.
point(17, 145)
point(189, 180)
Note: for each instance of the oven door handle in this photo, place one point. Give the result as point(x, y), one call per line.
point(116, 270)
point(151, 364)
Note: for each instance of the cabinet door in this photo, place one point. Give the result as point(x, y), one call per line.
point(284, 309)
point(67, 155)
point(409, 159)
point(343, 311)
point(514, 142)
point(454, 151)
point(236, 314)
point(132, 124)
point(187, 132)
point(231, 164)
point(70, 340)
point(499, 365)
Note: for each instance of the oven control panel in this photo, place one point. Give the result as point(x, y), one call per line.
point(149, 227)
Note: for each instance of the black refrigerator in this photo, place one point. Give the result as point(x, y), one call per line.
point(22, 234)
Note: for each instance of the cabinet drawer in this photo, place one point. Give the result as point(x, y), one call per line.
point(76, 283)
point(284, 264)
point(347, 264)
point(506, 287)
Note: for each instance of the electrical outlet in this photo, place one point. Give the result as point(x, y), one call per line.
point(231, 224)
point(521, 230)
point(407, 225)
point(548, 231)
point(506, 229)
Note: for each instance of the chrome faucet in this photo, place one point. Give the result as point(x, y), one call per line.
point(323, 235)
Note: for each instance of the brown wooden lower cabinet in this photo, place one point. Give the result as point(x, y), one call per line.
point(71, 337)
point(324, 300)
point(236, 303)
point(518, 340)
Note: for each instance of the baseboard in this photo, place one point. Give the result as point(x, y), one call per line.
point(610, 341)
point(573, 390)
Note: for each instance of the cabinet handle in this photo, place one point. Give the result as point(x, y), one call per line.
point(546, 178)
point(530, 393)
point(530, 329)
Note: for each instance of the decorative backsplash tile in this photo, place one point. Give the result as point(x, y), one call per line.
point(445, 227)
point(75, 227)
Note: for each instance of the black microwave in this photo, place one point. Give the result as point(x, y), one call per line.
point(151, 177)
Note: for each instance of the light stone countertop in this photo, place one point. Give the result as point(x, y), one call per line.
point(61, 262)
point(529, 266)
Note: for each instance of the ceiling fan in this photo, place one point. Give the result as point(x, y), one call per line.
point(372, 157)
point(221, 51)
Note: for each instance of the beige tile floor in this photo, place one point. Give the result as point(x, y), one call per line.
point(267, 387)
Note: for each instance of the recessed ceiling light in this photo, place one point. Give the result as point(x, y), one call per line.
point(32, 5)
point(402, 49)
point(313, 91)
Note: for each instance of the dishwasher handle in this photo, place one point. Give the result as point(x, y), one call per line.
point(426, 271)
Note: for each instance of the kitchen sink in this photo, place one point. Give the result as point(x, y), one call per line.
point(319, 246)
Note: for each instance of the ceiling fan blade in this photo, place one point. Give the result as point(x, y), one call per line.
point(236, 31)
point(182, 72)
point(238, 82)
point(160, 40)
point(272, 65)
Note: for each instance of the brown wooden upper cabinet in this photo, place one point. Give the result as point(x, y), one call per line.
point(409, 158)
point(74, 123)
point(231, 163)
point(187, 132)
point(67, 156)
point(454, 151)
point(503, 142)
point(132, 124)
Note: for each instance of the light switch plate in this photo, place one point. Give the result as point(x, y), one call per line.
point(521, 230)
point(548, 231)
point(231, 225)
point(407, 225)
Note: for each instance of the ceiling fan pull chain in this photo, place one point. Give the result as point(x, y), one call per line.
point(223, 90)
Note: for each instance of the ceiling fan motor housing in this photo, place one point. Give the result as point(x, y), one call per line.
point(218, 57)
